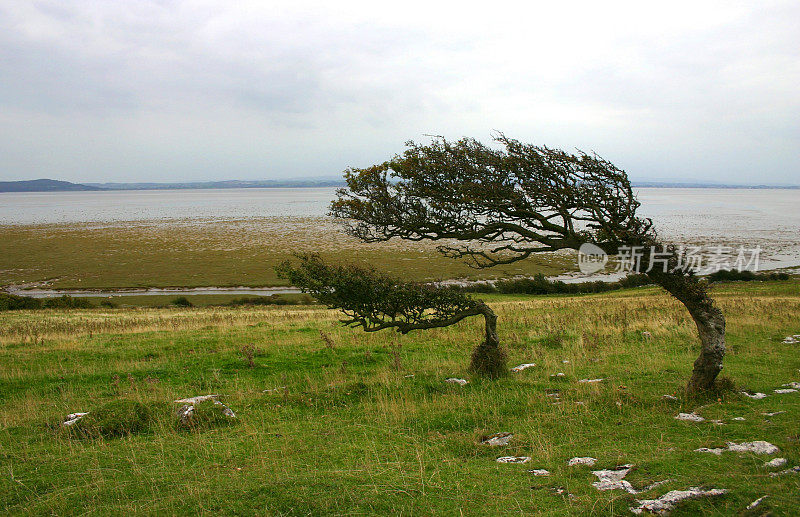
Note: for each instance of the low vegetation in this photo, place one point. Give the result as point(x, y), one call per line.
point(331, 420)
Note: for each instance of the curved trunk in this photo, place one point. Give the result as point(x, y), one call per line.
point(710, 324)
point(488, 359)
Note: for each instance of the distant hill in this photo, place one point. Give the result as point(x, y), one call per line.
point(43, 185)
point(334, 181)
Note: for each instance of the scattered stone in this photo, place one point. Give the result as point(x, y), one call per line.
point(559, 374)
point(514, 459)
point(756, 396)
point(460, 382)
point(690, 417)
point(785, 390)
point(795, 385)
point(758, 447)
point(793, 470)
point(756, 502)
point(590, 381)
point(540, 472)
point(565, 361)
point(72, 418)
point(669, 397)
point(588, 460)
point(777, 462)
point(739, 418)
point(555, 394)
point(498, 439)
point(773, 413)
point(410, 375)
point(647, 336)
point(668, 501)
point(274, 390)
point(562, 491)
point(186, 412)
point(523, 366)
point(790, 340)
point(613, 479)
point(198, 399)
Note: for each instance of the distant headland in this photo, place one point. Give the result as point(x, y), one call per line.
point(49, 185)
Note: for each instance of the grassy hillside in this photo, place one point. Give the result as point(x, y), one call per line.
point(366, 423)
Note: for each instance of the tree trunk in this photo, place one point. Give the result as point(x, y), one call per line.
point(711, 327)
point(691, 292)
point(488, 359)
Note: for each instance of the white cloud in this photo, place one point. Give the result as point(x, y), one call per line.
point(105, 90)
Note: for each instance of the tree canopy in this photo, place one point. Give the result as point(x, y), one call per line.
point(375, 301)
point(497, 205)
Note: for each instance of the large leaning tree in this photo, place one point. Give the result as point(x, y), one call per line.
point(375, 301)
point(498, 205)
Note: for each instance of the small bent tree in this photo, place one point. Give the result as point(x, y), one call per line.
point(495, 206)
point(375, 301)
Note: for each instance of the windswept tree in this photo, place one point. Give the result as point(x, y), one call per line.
point(375, 301)
point(498, 205)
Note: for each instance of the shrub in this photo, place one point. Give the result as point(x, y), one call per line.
point(67, 302)
point(182, 301)
point(12, 302)
point(731, 275)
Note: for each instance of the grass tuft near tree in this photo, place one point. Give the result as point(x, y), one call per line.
point(375, 301)
point(501, 206)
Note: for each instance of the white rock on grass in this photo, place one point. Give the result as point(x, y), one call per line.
point(72, 418)
point(756, 396)
point(615, 480)
point(783, 391)
point(587, 460)
point(196, 400)
point(793, 470)
point(790, 340)
point(497, 439)
point(756, 502)
point(523, 366)
point(274, 390)
point(513, 459)
point(186, 411)
point(669, 397)
point(460, 382)
point(777, 462)
point(590, 381)
point(774, 413)
point(795, 385)
point(559, 374)
point(670, 500)
point(540, 472)
point(739, 418)
point(690, 417)
point(757, 447)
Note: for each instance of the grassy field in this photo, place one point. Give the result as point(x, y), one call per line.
point(192, 253)
point(367, 425)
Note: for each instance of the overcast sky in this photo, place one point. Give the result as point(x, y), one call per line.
point(141, 90)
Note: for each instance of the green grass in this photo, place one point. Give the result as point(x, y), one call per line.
point(353, 434)
point(193, 253)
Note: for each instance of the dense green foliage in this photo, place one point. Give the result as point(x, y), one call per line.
point(374, 300)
